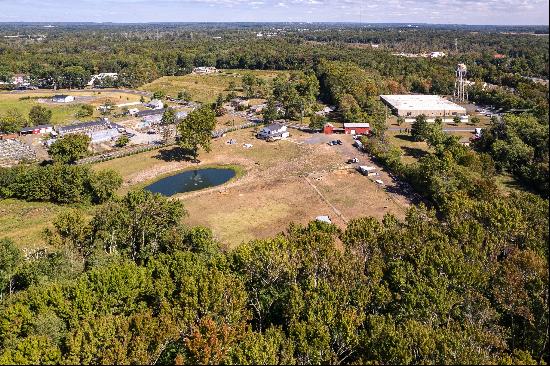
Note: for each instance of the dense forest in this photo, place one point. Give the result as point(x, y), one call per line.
point(462, 279)
point(66, 56)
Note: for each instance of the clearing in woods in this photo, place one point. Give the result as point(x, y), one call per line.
point(283, 182)
point(205, 88)
point(62, 113)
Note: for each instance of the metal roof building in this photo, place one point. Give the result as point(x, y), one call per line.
point(428, 105)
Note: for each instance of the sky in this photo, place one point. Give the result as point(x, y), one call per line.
point(505, 12)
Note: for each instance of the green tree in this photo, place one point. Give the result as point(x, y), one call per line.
point(10, 259)
point(219, 101)
point(317, 122)
point(69, 148)
point(12, 121)
point(74, 77)
point(136, 224)
point(475, 120)
point(400, 120)
point(39, 115)
point(270, 113)
point(159, 94)
point(104, 185)
point(456, 120)
point(419, 128)
point(85, 110)
point(184, 95)
point(106, 108)
point(249, 82)
point(196, 130)
point(169, 117)
point(122, 141)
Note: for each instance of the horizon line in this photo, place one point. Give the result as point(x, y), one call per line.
point(273, 22)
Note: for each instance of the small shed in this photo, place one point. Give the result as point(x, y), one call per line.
point(328, 129)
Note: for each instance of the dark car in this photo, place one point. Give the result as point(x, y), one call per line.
point(339, 142)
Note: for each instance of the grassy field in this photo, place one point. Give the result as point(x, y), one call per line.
point(412, 150)
point(24, 222)
point(275, 185)
point(61, 114)
point(205, 88)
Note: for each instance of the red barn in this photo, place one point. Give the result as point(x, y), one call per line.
point(329, 129)
point(357, 128)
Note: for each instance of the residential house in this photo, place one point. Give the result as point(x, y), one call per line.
point(274, 131)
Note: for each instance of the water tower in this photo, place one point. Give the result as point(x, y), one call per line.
point(461, 94)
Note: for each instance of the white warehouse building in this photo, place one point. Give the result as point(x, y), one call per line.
point(411, 106)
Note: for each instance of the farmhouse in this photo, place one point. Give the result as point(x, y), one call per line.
point(62, 98)
point(272, 132)
point(36, 130)
point(411, 106)
point(356, 128)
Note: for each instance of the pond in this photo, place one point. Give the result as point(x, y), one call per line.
point(191, 180)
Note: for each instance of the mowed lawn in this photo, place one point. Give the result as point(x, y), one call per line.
point(61, 113)
point(205, 88)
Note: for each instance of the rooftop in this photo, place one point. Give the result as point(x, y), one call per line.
point(274, 127)
point(356, 125)
point(421, 102)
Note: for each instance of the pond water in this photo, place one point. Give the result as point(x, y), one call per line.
point(191, 180)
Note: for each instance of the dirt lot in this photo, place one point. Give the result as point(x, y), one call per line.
point(285, 181)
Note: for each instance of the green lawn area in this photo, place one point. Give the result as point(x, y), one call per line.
point(412, 150)
point(24, 222)
point(61, 114)
point(205, 88)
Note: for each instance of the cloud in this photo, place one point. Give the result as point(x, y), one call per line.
point(375, 11)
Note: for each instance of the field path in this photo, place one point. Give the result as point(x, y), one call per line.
point(336, 211)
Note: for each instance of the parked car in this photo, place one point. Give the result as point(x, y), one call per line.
point(330, 143)
point(339, 142)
